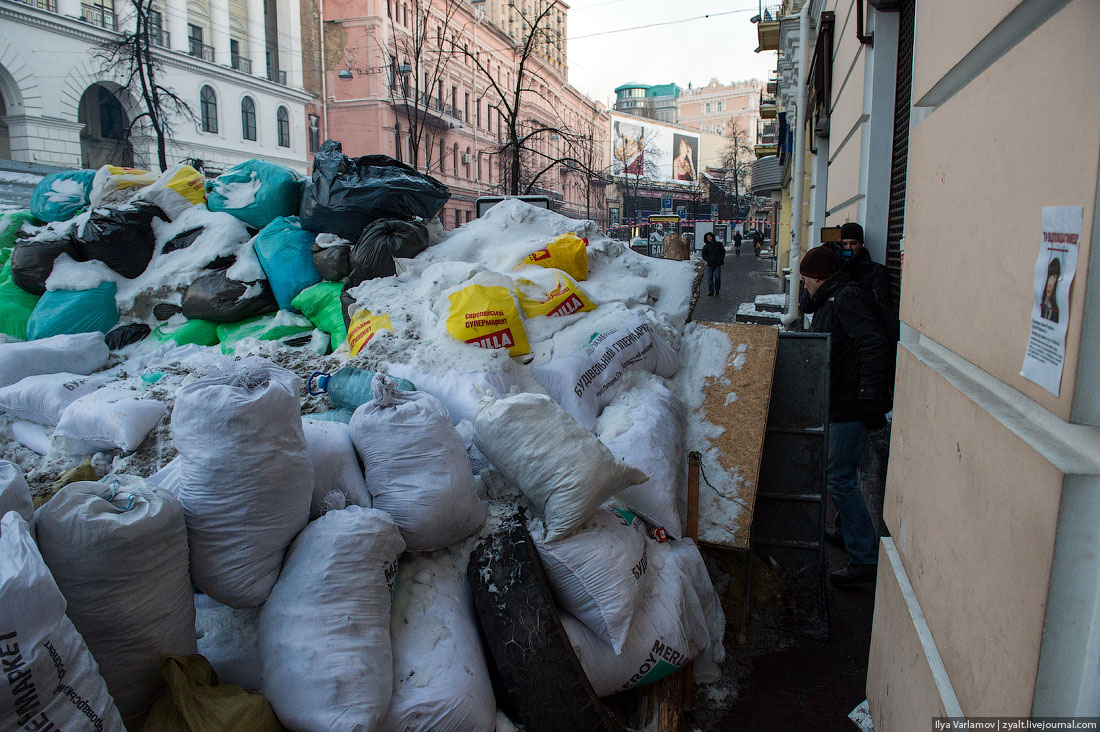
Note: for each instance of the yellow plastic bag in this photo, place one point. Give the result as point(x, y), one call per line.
point(195, 702)
point(363, 327)
point(566, 253)
point(113, 184)
point(561, 297)
point(178, 189)
point(487, 317)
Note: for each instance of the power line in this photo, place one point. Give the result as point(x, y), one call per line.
point(662, 23)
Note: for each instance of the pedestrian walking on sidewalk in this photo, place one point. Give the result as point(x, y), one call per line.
point(714, 254)
point(859, 358)
point(737, 243)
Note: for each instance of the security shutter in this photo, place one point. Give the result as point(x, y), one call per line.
point(900, 162)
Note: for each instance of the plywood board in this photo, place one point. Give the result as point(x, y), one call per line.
point(737, 402)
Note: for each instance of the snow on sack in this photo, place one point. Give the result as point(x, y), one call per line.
point(118, 551)
point(586, 381)
point(325, 629)
point(598, 574)
point(440, 677)
point(561, 467)
point(245, 477)
point(680, 618)
point(39, 637)
point(415, 466)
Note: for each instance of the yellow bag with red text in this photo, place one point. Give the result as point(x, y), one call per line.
point(487, 317)
point(176, 190)
point(567, 253)
point(552, 293)
point(363, 327)
point(114, 184)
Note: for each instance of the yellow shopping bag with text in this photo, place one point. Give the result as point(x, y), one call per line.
point(566, 253)
point(560, 296)
point(487, 317)
point(363, 327)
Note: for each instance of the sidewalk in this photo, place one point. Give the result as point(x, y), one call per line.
point(743, 278)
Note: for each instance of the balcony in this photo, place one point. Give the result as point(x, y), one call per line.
point(198, 49)
point(160, 38)
point(767, 25)
point(50, 5)
point(443, 113)
point(98, 15)
point(276, 75)
point(242, 64)
point(767, 138)
point(767, 107)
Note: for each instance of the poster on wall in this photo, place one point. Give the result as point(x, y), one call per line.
point(654, 151)
point(1054, 270)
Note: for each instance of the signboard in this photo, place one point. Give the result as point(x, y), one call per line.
point(682, 212)
point(714, 210)
point(654, 151)
point(664, 219)
point(666, 203)
point(613, 216)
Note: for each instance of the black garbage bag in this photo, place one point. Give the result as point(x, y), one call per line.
point(182, 240)
point(333, 262)
point(372, 256)
point(122, 238)
point(217, 298)
point(222, 261)
point(32, 260)
point(346, 300)
point(345, 194)
point(124, 335)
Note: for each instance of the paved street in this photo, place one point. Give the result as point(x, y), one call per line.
point(743, 278)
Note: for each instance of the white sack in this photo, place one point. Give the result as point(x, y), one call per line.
point(586, 381)
point(440, 678)
point(325, 630)
point(562, 468)
point(459, 391)
point(230, 640)
point(680, 618)
point(337, 475)
point(245, 477)
point(598, 574)
point(15, 494)
point(644, 427)
point(415, 466)
point(168, 477)
point(77, 353)
point(32, 436)
point(41, 398)
point(118, 551)
point(110, 418)
point(32, 622)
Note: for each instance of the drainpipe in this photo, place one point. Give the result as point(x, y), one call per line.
point(798, 178)
point(324, 86)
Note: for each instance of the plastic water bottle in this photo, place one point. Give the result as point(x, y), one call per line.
point(349, 387)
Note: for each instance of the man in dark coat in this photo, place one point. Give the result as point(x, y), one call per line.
point(857, 262)
point(737, 243)
point(858, 398)
point(714, 254)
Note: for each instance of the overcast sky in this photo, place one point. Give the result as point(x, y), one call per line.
point(720, 46)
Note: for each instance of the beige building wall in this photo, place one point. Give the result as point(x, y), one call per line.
point(994, 483)
point(721, 108)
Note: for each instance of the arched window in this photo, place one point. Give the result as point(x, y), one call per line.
point(283, 118)
point(208, 107)
point(248, 118)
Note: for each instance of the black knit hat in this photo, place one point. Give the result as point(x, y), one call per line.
point(820, 263)
point(851, 230)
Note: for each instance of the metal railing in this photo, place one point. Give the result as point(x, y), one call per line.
point(198, 49)
point(276, 75)
point(50, 5)
point(160, 38)
point(240, 63)
point(770, 10)
point(97, 15)
point(426, 100)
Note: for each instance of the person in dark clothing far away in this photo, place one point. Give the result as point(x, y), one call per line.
point(857, 262)
point(714, 254)
point(757, 241)
point(858, 398)
point(737, 243)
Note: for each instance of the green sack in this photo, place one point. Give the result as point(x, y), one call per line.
point(321, 304)
point(10, 224)
point(60, 196)
point(270, 327)
point(200, 332)
point(74, 311)
point(195, 702)
point(256, 192)
point(16, 306)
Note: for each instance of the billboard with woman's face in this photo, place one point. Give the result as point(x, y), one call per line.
point(654, 151)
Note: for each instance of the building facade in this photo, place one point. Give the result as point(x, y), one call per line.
point(515, 18)
point(238, 65)
point(721, 108)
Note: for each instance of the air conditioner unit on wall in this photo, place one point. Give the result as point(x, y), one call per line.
point(467, 158)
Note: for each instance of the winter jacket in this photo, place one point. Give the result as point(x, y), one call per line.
point(868, 273)
point(859, 349)
point(714, 254)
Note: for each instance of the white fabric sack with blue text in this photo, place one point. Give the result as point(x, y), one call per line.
point(41, 398)
point(77, 353)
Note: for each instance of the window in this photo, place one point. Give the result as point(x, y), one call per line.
point(454, 99)
point(405, 14)
point(248, 118)
point(314, 133)
point(283, 118)
point(479, 167)
point(156, 28)
point(719, 106)
point(389, 8)
point(707, 108)
point(442, 154)
point(208, 108)
point(397, 140)
point(466, 116)
point(458, 223)
point(466, 163)
point(454, 163)
point(479, 112)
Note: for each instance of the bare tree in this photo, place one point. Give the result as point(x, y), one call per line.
point(737, 158)
point(634, 159)
point(130, 57)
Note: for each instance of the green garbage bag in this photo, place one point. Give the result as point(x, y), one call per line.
point(256, 192)
point(16, 305)
point(285, 251)
point(74, 311)
point(270, 327)
point(195, 702)
point(10, 224)
point(194, 330)
point(321, 304)
point(60, 196)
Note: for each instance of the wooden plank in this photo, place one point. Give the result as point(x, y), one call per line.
point(736, 402)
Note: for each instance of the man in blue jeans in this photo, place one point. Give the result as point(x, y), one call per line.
point(714, 254)
point(859, 361)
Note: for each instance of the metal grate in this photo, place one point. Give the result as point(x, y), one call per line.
point(895, 227)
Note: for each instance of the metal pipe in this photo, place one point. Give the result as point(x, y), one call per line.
point(798, 178)
point(324, 85)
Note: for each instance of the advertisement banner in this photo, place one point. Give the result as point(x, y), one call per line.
point(654, 151)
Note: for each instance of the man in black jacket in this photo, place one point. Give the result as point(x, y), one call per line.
point(858, 398)
point(714, 254)
point(857, 262)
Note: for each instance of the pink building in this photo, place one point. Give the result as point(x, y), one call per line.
point(421, 81)
point(721, 108)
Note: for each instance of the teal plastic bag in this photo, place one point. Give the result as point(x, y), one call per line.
point(10, 224)
point(74, 311)
point(283, 248)
point(60, 196)
point(256, 192)
point(16, 306)
point(270, 327)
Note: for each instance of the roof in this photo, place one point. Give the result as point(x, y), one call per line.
point(631, 85)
